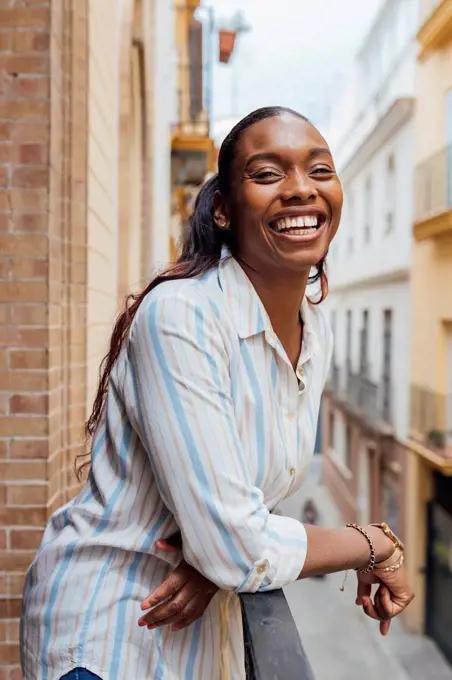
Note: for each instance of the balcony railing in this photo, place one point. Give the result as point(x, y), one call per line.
point(272, 645)
point(431, 418)
point(434, 185)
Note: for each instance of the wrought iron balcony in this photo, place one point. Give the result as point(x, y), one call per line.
point(273, 647)
point(433, 193)
point(431, 418)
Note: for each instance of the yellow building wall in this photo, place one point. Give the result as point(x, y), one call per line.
point(432, 258)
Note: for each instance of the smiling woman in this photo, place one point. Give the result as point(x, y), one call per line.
point(204, 420)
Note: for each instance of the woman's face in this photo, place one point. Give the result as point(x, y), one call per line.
point(286, 198)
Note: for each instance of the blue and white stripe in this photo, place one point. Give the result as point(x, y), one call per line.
point(206, 429)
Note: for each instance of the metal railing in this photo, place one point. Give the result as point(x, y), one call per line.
point(370, 398)
point(431, 417)
point(433, 194)
point(273, 647)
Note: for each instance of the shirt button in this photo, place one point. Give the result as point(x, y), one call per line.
point(301, 372)
point(261, 569)
point(291, 415)
point(292, 471)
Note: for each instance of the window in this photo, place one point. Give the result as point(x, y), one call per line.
point(351, 223)
point(390, 193)
point(364, 343)
point(348, 446)
point(331, 426)
point(449, 146)
point(368, 210)
point(348, 340)
point(387, 363)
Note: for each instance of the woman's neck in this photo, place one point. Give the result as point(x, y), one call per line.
point(282, 298)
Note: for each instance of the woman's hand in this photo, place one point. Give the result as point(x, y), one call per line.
point(181, 599)
point(394, 594)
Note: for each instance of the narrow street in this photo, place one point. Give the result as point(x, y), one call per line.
point(342, 643)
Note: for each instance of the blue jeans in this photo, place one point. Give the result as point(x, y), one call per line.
point(80, 674)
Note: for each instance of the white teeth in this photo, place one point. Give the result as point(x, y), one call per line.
point(300, 232)
point(293, 223)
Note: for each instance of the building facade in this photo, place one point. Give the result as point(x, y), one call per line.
point(429, 503)
point(366, 405)
point(84, 219)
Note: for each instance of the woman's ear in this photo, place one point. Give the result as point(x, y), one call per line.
point(220, 213)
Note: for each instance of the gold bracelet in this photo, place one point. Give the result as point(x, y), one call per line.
point(392, 567)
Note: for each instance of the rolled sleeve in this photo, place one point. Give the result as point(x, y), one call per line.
point(181, 404)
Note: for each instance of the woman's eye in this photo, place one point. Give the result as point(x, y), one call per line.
point(323, 170)
point(266, 174)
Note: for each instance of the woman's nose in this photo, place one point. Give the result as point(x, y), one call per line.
point(299, 186)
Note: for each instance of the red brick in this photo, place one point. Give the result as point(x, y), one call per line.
point(29, 315)
point(29, 448)
point(31, 41)
point(3, 449)
point(33, 154)
point(16, 583)
point(29, 403)
point(31, 88)
point(14, 672)
point(28, 133)
point(17, 471)
point(9, 654)
point(23, 426)
point(23, 291)
point(25, 17)
point(6, 221)
point(26, 517)
point(2, 537)
point(34, 359)
point(24, 109)
point(28, 269)
point(10, 608)
point(2, 589)
point(23, 245)
point(24, 381)
point(4, 177)
point(6, 41)
point(25, 539)
point(31, 223)
point(30, 177)
point(13, 630)
point(5, 131)
point(26, 495)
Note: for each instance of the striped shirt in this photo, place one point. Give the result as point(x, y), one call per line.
point(206, 429)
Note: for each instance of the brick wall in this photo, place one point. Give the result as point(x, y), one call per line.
point(42, 280)
point(76, 146)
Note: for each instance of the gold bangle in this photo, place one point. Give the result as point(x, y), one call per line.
point(392, 567)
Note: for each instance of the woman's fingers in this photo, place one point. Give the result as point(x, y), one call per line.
point(364, 590)
point(166, 547)
point(173, 610)
point(172, 585)
point(171, 544)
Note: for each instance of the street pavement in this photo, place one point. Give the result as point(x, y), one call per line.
point(340, 641)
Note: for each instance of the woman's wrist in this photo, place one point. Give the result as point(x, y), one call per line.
point(384, 547)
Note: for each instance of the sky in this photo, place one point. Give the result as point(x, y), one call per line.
point(297, 54)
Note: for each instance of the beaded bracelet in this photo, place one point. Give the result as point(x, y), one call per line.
point(371, 564)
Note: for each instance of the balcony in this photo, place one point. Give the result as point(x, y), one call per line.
point(436, 30)
point(272, 645)
point(431, 420)
point(433, 192)
point(373, 401)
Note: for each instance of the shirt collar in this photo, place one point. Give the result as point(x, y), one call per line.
point(249, 314)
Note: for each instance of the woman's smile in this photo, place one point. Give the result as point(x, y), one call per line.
point(302, 225)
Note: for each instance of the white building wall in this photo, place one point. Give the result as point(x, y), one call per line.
point(370, 259)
